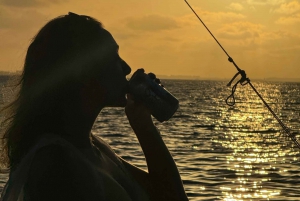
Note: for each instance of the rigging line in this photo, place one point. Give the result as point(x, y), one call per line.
point(229, 57)
point(206, 27)
point(285, 128)
point(243, 81)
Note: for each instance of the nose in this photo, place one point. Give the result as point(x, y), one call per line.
point(125, 67)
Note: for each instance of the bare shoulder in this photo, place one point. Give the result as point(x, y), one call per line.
point(54, 175)
point(61, 172)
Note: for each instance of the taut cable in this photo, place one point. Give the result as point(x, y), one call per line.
point(243, 81)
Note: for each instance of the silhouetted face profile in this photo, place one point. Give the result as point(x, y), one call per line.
point(74, 53)
point(72, 64)
point(112, 77)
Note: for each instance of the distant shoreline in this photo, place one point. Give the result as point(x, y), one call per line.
point(227, 79)
point(6, 75)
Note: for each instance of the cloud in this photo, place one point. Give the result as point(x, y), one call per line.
point(121, 35)
point(25, 19)
point(289, 8)
point(152, 23)
point(240, 30)
point(253, 36)
point(20, 3)
point(236, 7)
point(27, 3)
point(282, 44)
point(289, 20)
point(223, 16)
point(281, 36)
point(265, 2)
point(212, 17)
point(158, 22)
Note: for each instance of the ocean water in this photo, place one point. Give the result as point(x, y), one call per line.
point(230, 153)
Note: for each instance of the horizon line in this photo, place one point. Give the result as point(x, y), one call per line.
point(188, 77)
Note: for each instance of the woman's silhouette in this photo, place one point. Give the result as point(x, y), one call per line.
point(72, 71)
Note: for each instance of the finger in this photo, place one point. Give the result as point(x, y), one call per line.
point(152, 76)
point(129, 98)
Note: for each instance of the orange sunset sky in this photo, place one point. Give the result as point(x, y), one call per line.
point(165, 37)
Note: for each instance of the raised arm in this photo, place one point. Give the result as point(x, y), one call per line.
point(163, 175)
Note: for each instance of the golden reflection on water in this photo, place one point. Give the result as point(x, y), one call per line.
point(257, 147)
point(245, 165)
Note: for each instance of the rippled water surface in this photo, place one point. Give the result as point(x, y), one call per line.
point(236, 153)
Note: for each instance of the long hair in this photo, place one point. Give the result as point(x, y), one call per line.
point(59, 56)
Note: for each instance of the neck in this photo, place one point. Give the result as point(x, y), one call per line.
point(78, 124)
point(80, 114)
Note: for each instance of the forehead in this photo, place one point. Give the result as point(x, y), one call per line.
point(108, 39)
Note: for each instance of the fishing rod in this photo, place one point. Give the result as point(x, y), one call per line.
point(244, 80)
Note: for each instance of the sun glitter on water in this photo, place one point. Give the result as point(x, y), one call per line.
point(256, 150)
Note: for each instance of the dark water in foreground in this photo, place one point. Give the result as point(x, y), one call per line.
point(223, 153)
